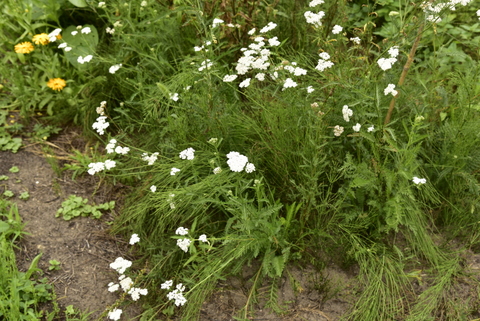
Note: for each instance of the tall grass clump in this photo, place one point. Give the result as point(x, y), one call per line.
point(259, 133)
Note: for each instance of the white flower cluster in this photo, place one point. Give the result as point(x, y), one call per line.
point(101, 110)
point(153, 188)
point(86, 30)
point(64, 46)
point(314, 18)
point(229, 78)
point(113, 69)
point(111, 148)
point(390, 90)
point(150, 159)
point(135, 293)
point(289, 83)
point(324, 62)
point(347, 112)
point(134, 239)
point(82, 60)
point(176, 294)
point(238, 162)
point(120, 265)
point(173, 96)
point(386, 63)
point(432, 10)
point(170, 200)
point(357, 127)
point(268, 27)
point(52, 36)
point(100, 166)
point(174, 171)
point(102, 4)
point(419, 181)
point(181, 231)
point(337, 29)
point(296, 71)
point(216, 22)
point(338, 130)
point(206, 64)
point(126, 283)
point(315, 3)
point(115, 314)
point(184, 244)
point(188, 153)
point(100, 125)
point(356, 40)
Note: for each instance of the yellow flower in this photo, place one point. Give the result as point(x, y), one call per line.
point(40, 39)
point(24, 47)
point(57, 84)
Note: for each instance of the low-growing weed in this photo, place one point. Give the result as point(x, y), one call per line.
point(76, 206)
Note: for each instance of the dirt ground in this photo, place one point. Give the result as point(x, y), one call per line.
point(85, 248)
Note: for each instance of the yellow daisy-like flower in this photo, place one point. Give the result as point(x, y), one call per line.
point(40, 39)
point(24, 47)
point(56, 84)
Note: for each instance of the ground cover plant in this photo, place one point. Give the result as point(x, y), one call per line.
point(268, 132)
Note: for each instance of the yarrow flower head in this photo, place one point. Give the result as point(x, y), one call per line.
point(40, 39)
point(56, 84)
point(216, 22)
point(188, 153)
point(125, 282)
point(371, 129)
point(113, 69)
point(120, 265)
point(289, 83)
point(419, 181)
point(337, 29)
point(203, 238)
point(315, 3)
point(356, 40)
point(134, 239)
point(181, 231)
point(82, 60)
point(390, 90)
point(229, 78)
point(184, 244)
point(166, 285)
point(115, 314)
point(54, 35)
point(338, 130)
point(86, 30)
point(236, 161)
point(245, 83)
point(268, 27)
point(24, 47)
point(393, 52)
point(150, 159)
point(112, 287)
point(314, 18)
point(135, 293)
point(153, 188)
point(174, 171)
point(357, 127)
point(347, 112)
point(386, 63)
point(100, 125)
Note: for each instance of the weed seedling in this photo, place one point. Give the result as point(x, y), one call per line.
point(54, 265)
